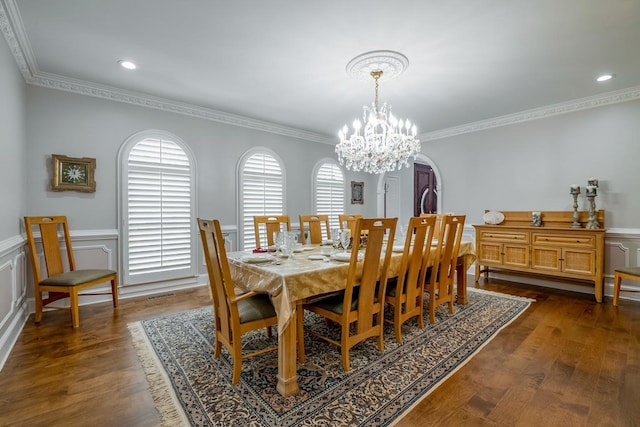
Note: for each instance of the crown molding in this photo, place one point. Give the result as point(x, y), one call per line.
point(623, 95)
point(13, 30)
point(54, 81)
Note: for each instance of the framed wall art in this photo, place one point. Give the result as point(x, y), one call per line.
point(73, 174)
point(357, 193)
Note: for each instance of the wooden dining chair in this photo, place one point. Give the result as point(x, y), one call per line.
point(58, 283)
point(361, 304)
point(349, 221)
point(441, 276)
point(314, 224)
point(271, 224)
point(629, 273)
point(405, 293)
point(234, 314)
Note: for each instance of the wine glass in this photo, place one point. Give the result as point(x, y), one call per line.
point(345, 239)
point(335, 237)
point(278, 240)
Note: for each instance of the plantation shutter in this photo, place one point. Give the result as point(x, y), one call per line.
point(330, 192)
point(159, 212)
point(262, 192)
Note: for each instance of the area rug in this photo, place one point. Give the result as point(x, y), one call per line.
point(190, 387)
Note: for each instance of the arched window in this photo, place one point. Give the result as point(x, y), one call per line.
point(261, 179)
point(157, 193)
point(329, 190)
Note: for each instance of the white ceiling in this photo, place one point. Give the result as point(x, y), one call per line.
point(283, 61)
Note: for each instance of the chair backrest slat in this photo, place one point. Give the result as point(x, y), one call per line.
point(271, 224)
point(314, 225)
point(220, 282)
point(415, 259)
point(375, 266)
point(448, 248)
point(51, 228)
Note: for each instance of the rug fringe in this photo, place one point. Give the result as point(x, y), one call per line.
point(500, 294)
point(164, 397)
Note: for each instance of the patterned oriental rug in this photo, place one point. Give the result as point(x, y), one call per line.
point(190, 387)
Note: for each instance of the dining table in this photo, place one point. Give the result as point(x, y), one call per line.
point(308, 273)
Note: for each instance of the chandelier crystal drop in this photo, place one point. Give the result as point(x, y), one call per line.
point(384, 144)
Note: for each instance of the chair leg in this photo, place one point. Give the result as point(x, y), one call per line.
point(432, 307)
point(397, 326)
point(38, 316)
point(616, 288)
point(75, 309)
point(114, 292)
point(237, 363)
point(381, 338)
point(344, 347)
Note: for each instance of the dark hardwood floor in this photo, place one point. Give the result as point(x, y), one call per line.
point(567, 361)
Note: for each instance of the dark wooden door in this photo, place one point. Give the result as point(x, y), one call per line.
point(425, 196)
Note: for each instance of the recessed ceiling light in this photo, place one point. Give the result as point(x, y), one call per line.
point(605, 77)
point(127, 64)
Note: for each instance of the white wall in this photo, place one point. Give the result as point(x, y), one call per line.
point(529, 166)
point(82, 126)
point(12, 144)
point(13, 195)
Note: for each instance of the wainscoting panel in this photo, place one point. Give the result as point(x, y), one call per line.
point(14, 309)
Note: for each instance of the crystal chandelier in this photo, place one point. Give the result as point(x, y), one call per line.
point(384, 144)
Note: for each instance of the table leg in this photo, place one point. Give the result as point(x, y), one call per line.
point(461, 281)
point(287, 362)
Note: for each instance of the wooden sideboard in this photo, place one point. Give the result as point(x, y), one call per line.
point(554, 249)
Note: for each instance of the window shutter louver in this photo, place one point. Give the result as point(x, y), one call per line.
point(159, 212)
point(262, 192)
point(330, 193)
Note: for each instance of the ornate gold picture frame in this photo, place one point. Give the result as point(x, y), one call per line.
point(357, 193)
point(73, 174)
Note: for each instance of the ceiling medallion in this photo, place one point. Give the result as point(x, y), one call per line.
point(385, 143)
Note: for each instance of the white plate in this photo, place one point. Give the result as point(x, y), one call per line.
point(256, 259)
point(308, 248)
point(345, 256)
point(398, 248)
point(316, 257)
point(298, 248)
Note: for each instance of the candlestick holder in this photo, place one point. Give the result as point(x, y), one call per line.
point(576, 223)
point(592, 223)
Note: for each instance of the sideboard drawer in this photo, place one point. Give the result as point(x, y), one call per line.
point(563, 240)
point(505, 236)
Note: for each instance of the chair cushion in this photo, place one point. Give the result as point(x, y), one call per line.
point(255, 308)
point(77, 277)
point(634, 271)
point(392, 284)
point(335, 303)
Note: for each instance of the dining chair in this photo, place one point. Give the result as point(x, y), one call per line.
point(405, 293)
point(349, 221)
point(234, 314)
point(314, 225)
point(439, 217)
point(441, 276)
point(271, 224)
point(359, 309)
point(629, 273)
point(58, 283)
